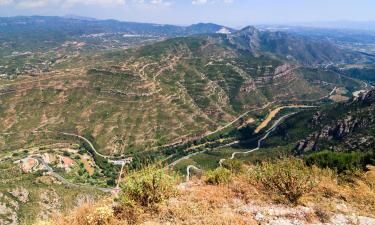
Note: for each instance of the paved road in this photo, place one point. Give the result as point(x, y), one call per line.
point(121, 157)
point(66, 182)
point(185, 157)
point(260, 140)
point(176, 144)
point(276, 124)
point(270, 130)
point(188, 171)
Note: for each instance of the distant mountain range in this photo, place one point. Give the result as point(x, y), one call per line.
point(304, 49)
point(34, 31)
point(79, 94)
point(336, 34)
point(73, 25)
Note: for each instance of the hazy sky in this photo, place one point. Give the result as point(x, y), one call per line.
point(228, 12)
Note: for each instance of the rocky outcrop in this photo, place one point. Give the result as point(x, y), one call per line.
point(367, 98)
point(283, 71)
point(337, 131)
point(350, 131)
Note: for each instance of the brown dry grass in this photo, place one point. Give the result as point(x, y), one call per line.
point(206, 204)
point(331, 193)
point(239, 201)
point(87, 214)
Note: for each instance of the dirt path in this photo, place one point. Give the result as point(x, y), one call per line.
point(240, 117)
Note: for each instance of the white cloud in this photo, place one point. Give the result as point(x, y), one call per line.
point(160, 2)
point(199, 2)
point(203, 2)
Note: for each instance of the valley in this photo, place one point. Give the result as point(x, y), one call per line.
point(84, 104)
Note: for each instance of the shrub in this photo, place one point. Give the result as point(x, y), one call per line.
point(218, 176)
point(147, 187)
point(340, 161)
point(235, 166)
point(100, 216)
point(290, 178)
point(101, 213)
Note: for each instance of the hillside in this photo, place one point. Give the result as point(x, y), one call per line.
point(30, 33)
point(84, 102)
point(342, 127)
point(251, 196)
point(173, 90)
point(345, 127)
point(302, 49)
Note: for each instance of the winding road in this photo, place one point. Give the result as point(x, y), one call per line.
point(121, 157)
point(274, 112)
point(188, 171)
point(185, 157)
point(270, 130)
point(66, 182)
point(277, 123)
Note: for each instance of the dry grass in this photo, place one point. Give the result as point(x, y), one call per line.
point(289, 178)
point(101, 213)
point(243, 202)
point(205, 204)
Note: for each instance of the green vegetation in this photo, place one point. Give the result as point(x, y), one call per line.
point(134, 100)
point(79, 77)
point(147, 187)
point(109, 170)
point(290, 178)
point(233, 165)
point(218, 176)
point(42, 193)
point(341, 161)
point(363, 73)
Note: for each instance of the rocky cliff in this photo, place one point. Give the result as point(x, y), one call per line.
point(354, 127)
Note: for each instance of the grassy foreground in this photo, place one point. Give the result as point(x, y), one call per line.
point(283, 191)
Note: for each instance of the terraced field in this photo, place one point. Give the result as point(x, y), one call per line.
point(133, 100)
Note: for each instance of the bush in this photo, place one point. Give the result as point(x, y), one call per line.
point(100, 216)
point(340, 161)
point(290, 178)
point(101, 213)
point(147, 187)
point(235, 166)
point(219, 176)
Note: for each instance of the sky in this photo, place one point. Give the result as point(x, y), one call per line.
point(235, 13)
